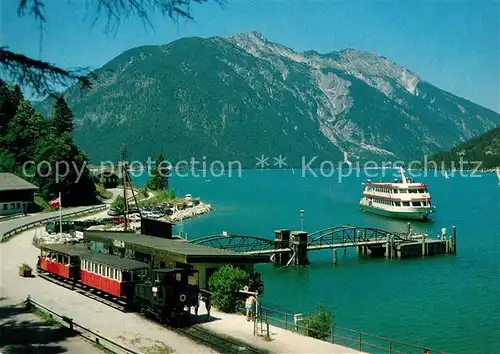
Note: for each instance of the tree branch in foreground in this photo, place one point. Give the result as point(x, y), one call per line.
point(43, 78)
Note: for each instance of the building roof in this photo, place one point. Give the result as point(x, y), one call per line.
point(114, 261)
point(70, 250)
point(189, 251)
point(11, 182)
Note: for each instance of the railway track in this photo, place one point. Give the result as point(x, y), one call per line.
point(84, 290)
point(220, 343)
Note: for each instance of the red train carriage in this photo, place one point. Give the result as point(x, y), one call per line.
point(111, 274)
point(61, 259)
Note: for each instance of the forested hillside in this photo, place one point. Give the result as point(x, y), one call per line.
point(39, 150)
point(484, 148)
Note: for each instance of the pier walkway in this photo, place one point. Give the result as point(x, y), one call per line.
point(292, 246)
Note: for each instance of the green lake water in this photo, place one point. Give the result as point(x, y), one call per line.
point(450, 303)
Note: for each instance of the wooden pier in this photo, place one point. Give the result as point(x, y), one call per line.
point(292, 247)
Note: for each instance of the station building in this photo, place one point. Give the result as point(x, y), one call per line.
point(167, 252)
point(16, 194)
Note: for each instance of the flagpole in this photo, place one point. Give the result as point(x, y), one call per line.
point(60, 214)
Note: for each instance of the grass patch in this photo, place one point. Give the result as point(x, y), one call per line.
point(46, 318)
point(102, 192)
point(42, 203)
point(161, 197)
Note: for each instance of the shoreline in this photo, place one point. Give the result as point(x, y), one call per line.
point(188, 213)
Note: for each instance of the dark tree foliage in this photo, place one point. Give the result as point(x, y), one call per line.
point(10, 97)
point(159, 175)
point(44, 78)
point(62, 117)
point(23, 131)
point(35, 152)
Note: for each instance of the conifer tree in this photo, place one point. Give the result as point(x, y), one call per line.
point(159, 175)
point(62, 117)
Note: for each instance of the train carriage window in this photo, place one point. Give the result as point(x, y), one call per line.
point(100, 269)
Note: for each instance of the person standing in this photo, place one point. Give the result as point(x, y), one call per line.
point(208, 306)
point(250, 307)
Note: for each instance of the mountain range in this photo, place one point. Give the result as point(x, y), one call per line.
point(242, 97)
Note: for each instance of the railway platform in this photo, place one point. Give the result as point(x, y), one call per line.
point(281, 340)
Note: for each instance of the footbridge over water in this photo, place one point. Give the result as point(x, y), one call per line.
point(292, 247)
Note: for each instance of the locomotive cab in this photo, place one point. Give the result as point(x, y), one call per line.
point(167, 293)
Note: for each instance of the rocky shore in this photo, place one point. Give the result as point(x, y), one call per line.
point(188, 213)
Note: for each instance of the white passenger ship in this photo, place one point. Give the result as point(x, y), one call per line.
point(403, 199)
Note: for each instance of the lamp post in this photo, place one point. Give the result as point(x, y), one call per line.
point(301, 219)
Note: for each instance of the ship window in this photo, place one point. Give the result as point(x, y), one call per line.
point(424, 203)
point(406, 203)
point(397, 203)
point(416, 204)
point(395, 191)
point(403, 190)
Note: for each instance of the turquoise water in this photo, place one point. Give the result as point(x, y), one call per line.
point(450, 303)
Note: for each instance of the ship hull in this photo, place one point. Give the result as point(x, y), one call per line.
point(403, 214)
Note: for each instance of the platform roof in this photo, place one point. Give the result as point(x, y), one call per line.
point(11, 182)
point(64, 248)
point(187, 252)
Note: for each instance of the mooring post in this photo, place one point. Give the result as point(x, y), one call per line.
point(334, 256)
point(424, 253)
point(454, 240)
point(365, 246)
point(388, 247)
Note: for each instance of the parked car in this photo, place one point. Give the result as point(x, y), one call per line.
point(114, 212)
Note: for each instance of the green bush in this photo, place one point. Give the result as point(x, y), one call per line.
point(319, 323)
point(118, 204)
point(143, 192)
point(225, 284)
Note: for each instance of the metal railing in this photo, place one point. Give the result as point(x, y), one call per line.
point(345, 337)
point(8, 234)
point(82, 331)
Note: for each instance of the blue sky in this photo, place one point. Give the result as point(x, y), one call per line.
point(451, 44)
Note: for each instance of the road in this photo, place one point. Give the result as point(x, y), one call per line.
point(8, 225)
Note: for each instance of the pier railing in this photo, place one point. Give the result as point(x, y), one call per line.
point(334, 334)
point(84, 332)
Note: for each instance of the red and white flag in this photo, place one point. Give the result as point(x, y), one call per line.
point(55, 203)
